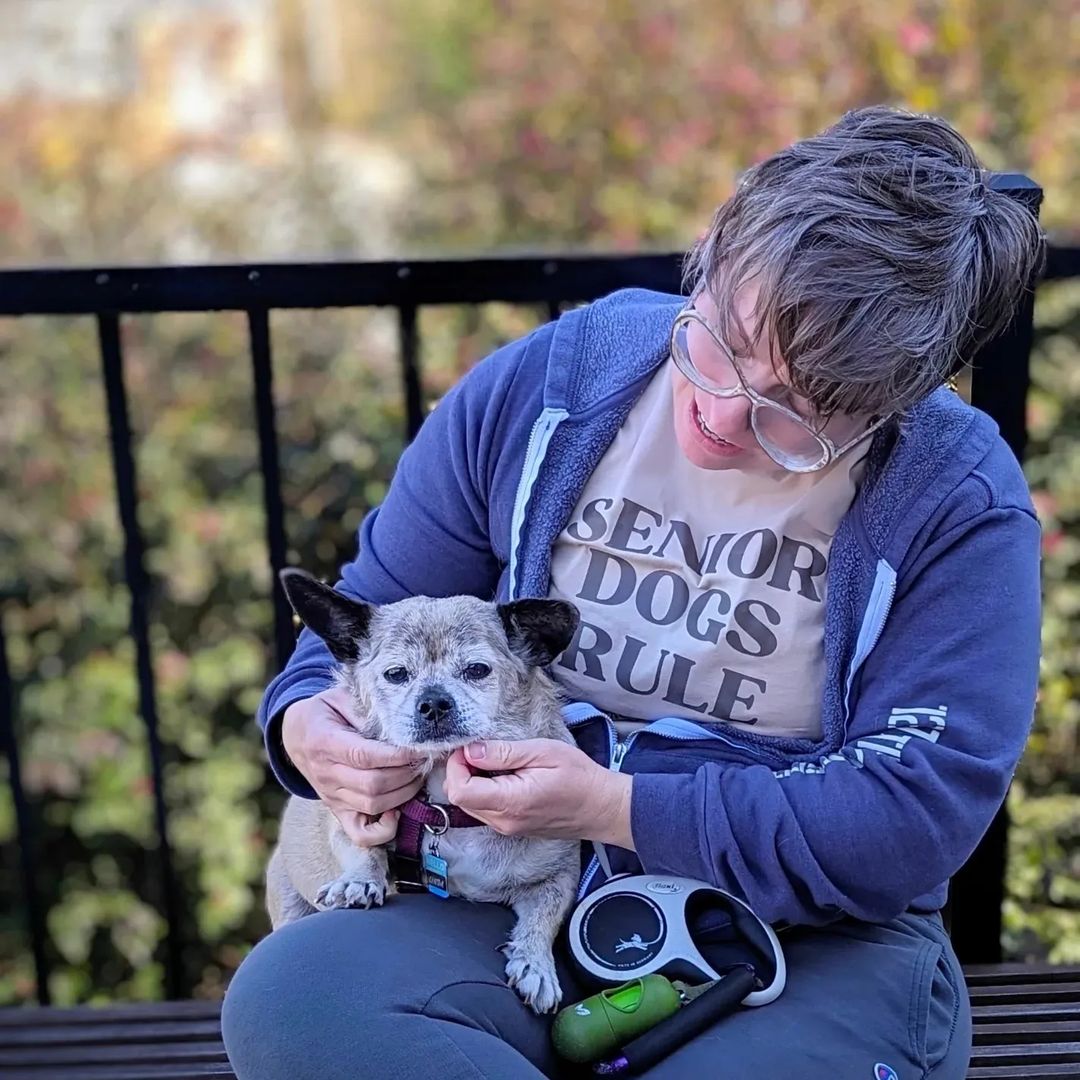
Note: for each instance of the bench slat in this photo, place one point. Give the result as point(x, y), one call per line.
point(1005, 1034)
point(1064, 1052)
point(1036, 992)
point(1026, 1072)
point(129, 1053)
point(164, 1031)
point(997, 974)
point(123, 1072)
point(1009, 1014)
point(135, 1012)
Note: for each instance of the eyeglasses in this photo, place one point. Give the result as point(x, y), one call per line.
point(788, 438)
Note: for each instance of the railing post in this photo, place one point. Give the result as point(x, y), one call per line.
point(410, 370)
point(999, 386)
point(262, 364)
point(112, 362)
point(35, 916)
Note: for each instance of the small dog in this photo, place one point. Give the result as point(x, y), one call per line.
point(433, 675)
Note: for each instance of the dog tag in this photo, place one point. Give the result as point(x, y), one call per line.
point(435, 875)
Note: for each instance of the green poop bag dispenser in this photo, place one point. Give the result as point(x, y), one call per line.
point(602, 1023)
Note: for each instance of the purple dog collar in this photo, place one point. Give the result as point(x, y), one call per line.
point(418, 815)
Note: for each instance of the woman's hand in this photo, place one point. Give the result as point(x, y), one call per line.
point(362, 781)
point(548, 788)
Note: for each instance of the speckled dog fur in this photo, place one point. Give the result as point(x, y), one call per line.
point(486, 662)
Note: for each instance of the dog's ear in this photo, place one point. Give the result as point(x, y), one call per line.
point(538, 630)
point(342, 623)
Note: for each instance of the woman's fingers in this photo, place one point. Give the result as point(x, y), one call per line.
point(367, 783)
point(335, 743)
point(366, 831)
point(316, 735)
point(347, 798)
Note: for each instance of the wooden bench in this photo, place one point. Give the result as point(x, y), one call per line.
point(1027, 1027)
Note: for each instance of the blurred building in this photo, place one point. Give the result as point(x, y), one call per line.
point(203, 65)
point(232, 99)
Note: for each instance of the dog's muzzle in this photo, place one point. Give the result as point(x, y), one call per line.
point(437, 718)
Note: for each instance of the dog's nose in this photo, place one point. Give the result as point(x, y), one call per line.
point(434, 704)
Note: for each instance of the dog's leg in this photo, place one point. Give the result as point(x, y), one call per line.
point(283, 902)
point(530, 963)
point(362, 882)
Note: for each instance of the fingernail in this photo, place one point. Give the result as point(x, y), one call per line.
point(477, 750)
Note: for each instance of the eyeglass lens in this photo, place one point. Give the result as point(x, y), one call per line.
point(776, 430)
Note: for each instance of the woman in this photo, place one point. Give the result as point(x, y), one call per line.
point(808, 575)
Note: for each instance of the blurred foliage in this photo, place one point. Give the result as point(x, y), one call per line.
point(478, 124)
point(1042, 909)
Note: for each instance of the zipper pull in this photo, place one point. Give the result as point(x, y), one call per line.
point(618, 755)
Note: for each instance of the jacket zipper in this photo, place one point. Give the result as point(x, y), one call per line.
point(616, 753)
point(890, 595)
point(620, 753)
point(535, 451)
point(878, 607)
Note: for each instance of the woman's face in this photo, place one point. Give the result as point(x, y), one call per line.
point(729, 441)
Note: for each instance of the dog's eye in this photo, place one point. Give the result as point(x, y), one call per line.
point(396, 675)
point(477, 671)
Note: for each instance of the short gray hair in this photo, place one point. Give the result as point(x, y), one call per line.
point(883, 259)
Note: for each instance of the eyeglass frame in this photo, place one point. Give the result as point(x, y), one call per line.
point(830, 451)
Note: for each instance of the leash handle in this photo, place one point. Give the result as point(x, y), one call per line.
point(658, 1042)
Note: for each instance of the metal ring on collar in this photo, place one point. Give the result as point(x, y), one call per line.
point(438, 830)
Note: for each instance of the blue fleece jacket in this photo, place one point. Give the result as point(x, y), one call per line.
point(932, 628)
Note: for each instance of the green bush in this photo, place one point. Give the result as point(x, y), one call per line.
point(1042, 909)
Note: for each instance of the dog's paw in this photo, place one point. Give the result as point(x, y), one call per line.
point(534, 978)
point(348, 892)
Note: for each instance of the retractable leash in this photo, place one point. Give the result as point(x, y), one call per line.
point(674, 955)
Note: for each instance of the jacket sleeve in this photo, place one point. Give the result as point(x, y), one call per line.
point(940, 715)
point(428, 537)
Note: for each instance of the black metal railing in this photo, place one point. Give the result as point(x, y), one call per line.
point(999, 385)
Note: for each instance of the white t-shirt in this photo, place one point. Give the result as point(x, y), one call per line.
point(702, 592)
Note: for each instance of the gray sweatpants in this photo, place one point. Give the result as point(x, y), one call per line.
point(416, 989)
